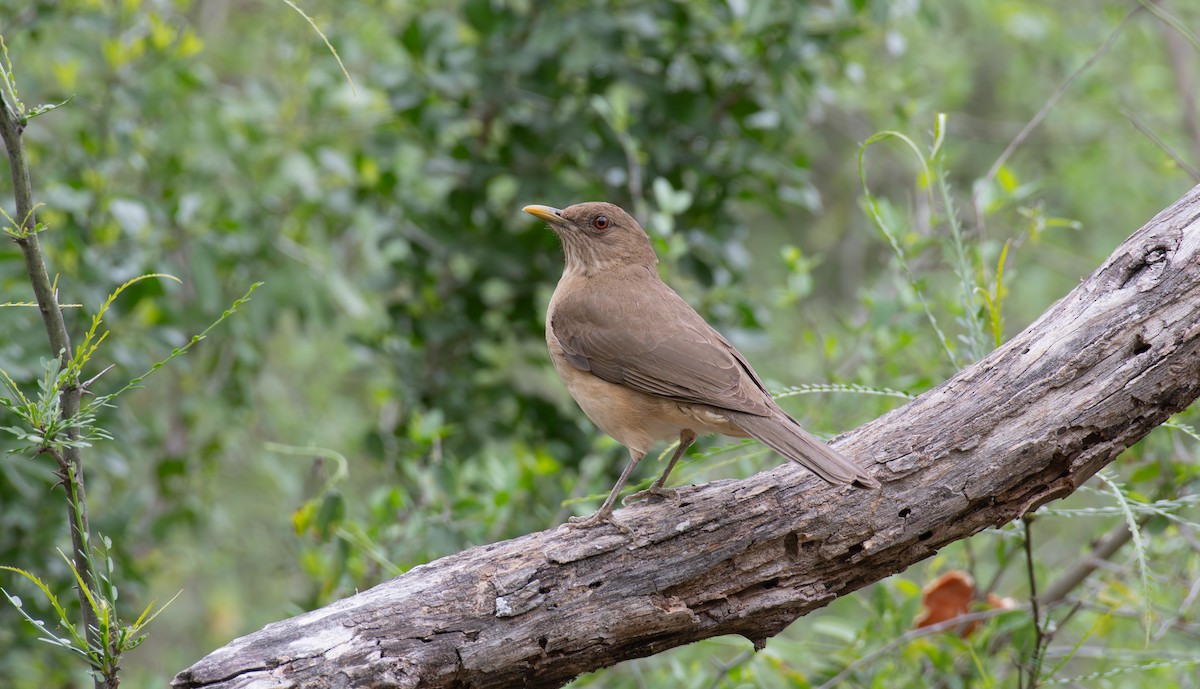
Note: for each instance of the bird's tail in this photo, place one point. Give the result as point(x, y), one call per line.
point(784, 435)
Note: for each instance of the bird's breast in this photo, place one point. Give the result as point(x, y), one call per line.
point(635, 419)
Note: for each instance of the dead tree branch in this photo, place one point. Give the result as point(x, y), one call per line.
point(1027, 424)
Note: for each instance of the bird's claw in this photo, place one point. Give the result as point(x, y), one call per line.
point(600, 517)
point(653, 490)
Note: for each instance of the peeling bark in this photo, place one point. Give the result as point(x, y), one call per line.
point(1026, 425)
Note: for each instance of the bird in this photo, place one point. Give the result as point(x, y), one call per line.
point(645, 367)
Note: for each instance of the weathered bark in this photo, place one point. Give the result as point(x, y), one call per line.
point(1028, 424)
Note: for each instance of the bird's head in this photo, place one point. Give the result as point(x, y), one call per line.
point(598, 236)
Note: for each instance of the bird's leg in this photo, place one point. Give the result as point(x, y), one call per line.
point(605, 513)
point(686, 438)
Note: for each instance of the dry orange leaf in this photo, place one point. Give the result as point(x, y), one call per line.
point(947, 597)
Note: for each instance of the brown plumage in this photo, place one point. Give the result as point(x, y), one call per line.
point(645, 367)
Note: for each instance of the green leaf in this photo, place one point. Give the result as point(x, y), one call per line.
point(331, 513)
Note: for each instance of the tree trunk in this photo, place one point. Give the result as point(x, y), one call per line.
point(1027, 424)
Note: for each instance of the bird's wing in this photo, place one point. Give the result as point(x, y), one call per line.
point(653, 342)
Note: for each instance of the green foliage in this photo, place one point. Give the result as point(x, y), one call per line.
point(114, 637)
point(885, 226)
point(9, 84)
point(389, 400)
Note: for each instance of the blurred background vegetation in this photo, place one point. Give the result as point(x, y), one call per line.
point(386, 398)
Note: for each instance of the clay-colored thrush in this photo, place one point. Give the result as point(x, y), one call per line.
point(645, 367)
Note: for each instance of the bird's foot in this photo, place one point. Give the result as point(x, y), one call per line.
point(654, 490)
point(601, 517)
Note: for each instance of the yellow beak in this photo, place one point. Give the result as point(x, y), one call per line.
point(546, 213)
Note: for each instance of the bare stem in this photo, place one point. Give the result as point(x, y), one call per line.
point(1040, 640)
point(976, 198)
point(1183, 65)
point(70, 463)
point(1103, 549)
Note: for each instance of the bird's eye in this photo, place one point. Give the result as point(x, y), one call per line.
point(600, 222)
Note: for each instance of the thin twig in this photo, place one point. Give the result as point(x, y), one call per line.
point(1041, 115)
point(1039, 639)
point(12, 124)
point(1182, 63)
point(1188, 601)
point(947, 625)
point(1104, 548)
point(724, 668)
point(1162, 145)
